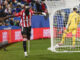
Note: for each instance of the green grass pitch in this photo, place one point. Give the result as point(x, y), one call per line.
point(38, 52)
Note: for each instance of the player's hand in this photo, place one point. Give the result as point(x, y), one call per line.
point(44, 13)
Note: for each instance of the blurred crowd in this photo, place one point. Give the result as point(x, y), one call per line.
point(10, 7)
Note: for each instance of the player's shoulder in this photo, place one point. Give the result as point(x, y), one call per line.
point(23, 10)
point(30, 10)
point(70, 14)
point(76, 14)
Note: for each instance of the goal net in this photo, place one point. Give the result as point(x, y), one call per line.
point(59, 11)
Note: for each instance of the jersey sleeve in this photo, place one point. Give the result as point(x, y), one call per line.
point(32, 12)
point(18, 14)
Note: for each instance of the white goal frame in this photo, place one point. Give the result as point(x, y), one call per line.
point(52, 8)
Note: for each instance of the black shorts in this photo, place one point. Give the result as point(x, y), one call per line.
point(26, 31)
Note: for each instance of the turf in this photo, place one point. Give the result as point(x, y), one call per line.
point(38, 52)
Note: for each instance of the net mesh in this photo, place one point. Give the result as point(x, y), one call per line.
point(60, 18)
point(55, 3)
point(60, 22)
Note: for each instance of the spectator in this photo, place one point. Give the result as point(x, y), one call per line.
point(7, 22)
point(17, 23)
point(38, 6)
point(14, 22)
point(8, 9)
point(19, 0)
point(1, 24)
point(11, 22)
point(1, 14)
point(1, 10)
point(43, 6)
point(27, 1)
point(18, 8)
point(33, 5)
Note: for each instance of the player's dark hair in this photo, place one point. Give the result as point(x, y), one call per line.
point(27, 11)
point(74, 9)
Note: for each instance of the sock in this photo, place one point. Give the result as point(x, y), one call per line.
point(63, 37)
point(73, 38)
point(24, 46)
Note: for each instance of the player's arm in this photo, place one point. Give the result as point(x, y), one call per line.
point(14, 15)
point(18, 14)
point(4, 18)
point(42, 13)
point(38, 12)
point(33, 12)
point(8, 16)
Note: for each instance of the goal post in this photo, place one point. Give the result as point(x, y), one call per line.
point(54, 6)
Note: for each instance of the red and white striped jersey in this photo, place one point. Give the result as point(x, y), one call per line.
point(25, 20)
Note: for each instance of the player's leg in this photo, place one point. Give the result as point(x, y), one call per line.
point(24, 40)
point(28, 33)
point(73, 37)
point(24, 45)
point(28, 37)
point(63, 37)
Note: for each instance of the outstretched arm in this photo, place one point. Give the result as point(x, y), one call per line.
point(11, 16)
point(37, 12)
point(42, 13)
point(7, 17)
